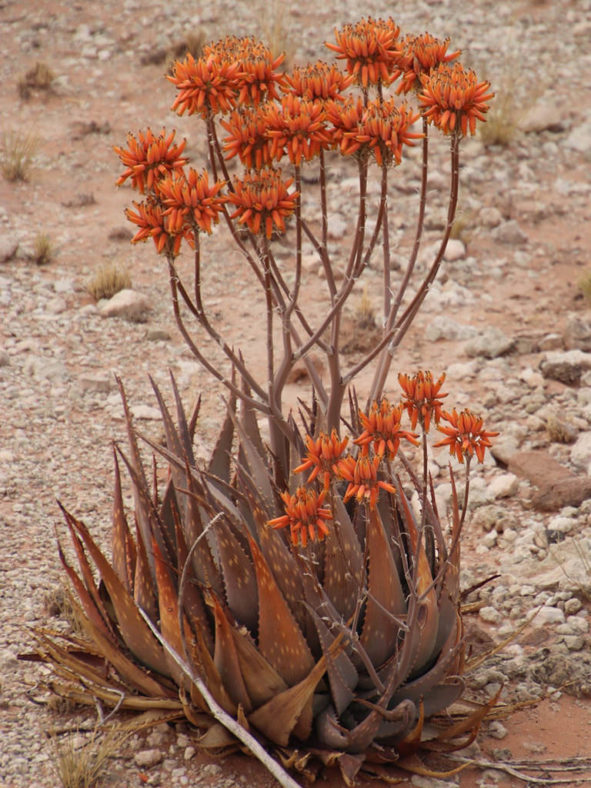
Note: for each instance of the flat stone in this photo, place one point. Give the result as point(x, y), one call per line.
point(127, 304)
point(580, 138)
point(504, 486)
point(444, 327)
point(580, 453)
point(455, 250)
point(509, 233)
point(146, 758)
point(577, 332)
point(557, 485)
point(490, 343)
point(545, 116)
point(566, 367)
point(8, 249)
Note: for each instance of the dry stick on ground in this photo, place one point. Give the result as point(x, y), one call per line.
point(527, 778)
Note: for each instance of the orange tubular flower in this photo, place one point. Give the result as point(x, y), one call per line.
point(318, 81)
point(384, 129)
point(420, 54)
point(466, 435)
point(246, 138)
point(305, 516)
point(422, 398)
point(321, 456)
point(191, 195)
point(206, 86)
point(296, 127)
point(153, 224)
point(345, 118)
point(262, 201)
point(369, 47)
point(149, 158)
point(258, 78)
point(453, 98)
point(362, 475)
point(381, 426)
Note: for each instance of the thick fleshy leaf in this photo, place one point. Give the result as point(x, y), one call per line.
point(280, 639)
point(169, 614)
point(239, 577)
point(220, 460)
point(123, 546)
point(423, 588)
point(343, 561)
point(261, 680)
point(226, 659)
point(134, 629)
point(141, 510)
point(385, 604)
point(342, 674)
point(290, 711)
point(144, 588)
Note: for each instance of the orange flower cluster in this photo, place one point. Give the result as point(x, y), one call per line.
point(150, 218)
point(422, 398)
point(190, 195)
point(149, 158)
point(305, 516)
point(296, 127)
point(369, 47)
point(322, 455)
point(382, 129)
point(418, 55)
point(381, 427)
point(258, 79)
point(453, 98)
point(466, 436)
point(247, 139)
point(362, 475)
point(318, 81)
point(263, 201)
point(206, 86)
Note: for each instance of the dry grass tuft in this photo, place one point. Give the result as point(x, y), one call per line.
point(108, 280)
point(502, 119)
point(365, 316)
point(43, 249)
point(275, 32)
point(38, 78)
point(16, 155)
point(83, 766)
point(584, 284)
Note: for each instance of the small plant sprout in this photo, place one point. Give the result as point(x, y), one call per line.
point(285, 594)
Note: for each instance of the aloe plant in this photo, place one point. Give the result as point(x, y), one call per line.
point(287, 593)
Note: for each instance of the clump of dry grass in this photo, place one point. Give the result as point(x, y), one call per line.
point(16, 155)
point(38, 78)
point(108, 280)
point(275, 32)
point(585, 286)
point(365, 314)
point(43, 249)
point(502, 119)
point(83, 766)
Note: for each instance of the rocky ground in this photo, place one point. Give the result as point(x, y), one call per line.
point(508, 321)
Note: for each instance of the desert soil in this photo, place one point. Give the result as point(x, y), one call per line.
point(508, 321)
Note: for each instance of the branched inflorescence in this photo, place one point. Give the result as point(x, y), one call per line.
point(290, 585)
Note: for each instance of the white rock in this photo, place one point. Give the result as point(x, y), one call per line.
point(580, 138)
point(549, 615)
point(455, 250)
point(490, 216)
point(491, 342)
point(128, 304)
point(509, 233)
point(443, 327)
point(580, 454)
point(504, 486)
point(8, 249)
point(146, 758)
point(145, 413)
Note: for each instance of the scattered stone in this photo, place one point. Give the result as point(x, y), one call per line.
point(504, 486)
point(490, 343)
point(455, 250)
point(509, 233)
point(577, 333)
point(144, 759)
point(580, 454)
point(580, 138)
point(95, 382)
point(127, 304)
point(564, 567)
point(551, 342)
point(189, 752)
point(8, 249)
point(146, 413)
point(544, 116)
point(490, 614)
point(549, 615)
point(566, 367)
point(444, 327)
point(560, 430)
point(557, 485)
point(490, 216)
point(497, 730)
